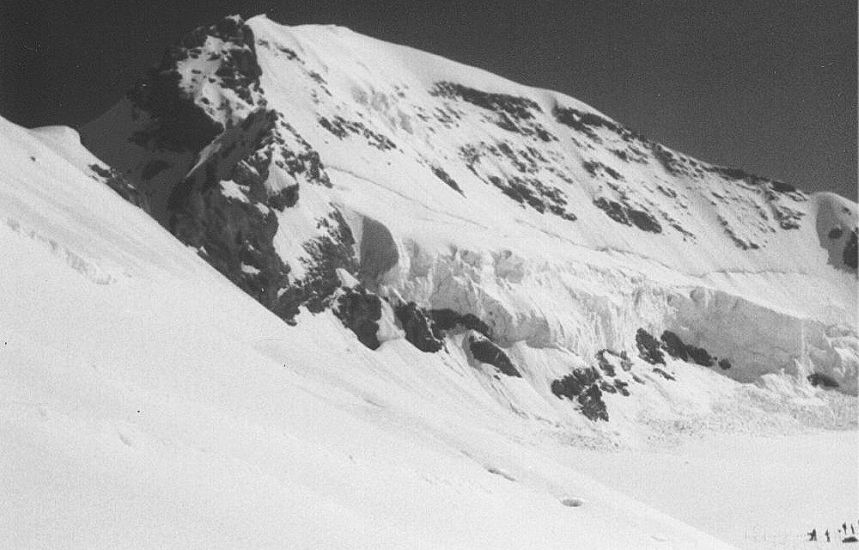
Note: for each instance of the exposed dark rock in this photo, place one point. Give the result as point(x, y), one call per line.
point(512, 113)
point(670, 193)
point(782, 187)
point(835, 233)
point(700, 356)
point(724, 364)
point(648, 347)
point(677, 349)
point(283, 199)
point(583, 385)
point(607, 387)
point(663, 374)
point(448, 319)
point(517, 108)
point(851, 251)
point(594, 167)
point(680, 229)
point(621, 387)
point(177, 123)
point(327, 253)
point(527, 189)
point(122, 186)
point(668, 160)
point(644, 221)
point(593, 407)
point(625, 362)
point(820, 379)
point(418, 327)
point(587, 123)
point(341, 128)
point(534, 193)
point(621, 154)
point(674, 346)
point(290, 54)
point(360, 311)
point(627, 215)
point(613, 210)
point(731, 173)
point(738, 241)
point(235, 237)
point(774, 192)
point(234, 230)
point(445, 177)
point(486, 351)
point(233, 227)
point(604, 363)
point(573, 384)
point(787, 218)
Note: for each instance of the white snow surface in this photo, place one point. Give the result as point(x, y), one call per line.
point(146, 402)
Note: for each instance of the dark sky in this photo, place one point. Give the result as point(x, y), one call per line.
point(766, 85)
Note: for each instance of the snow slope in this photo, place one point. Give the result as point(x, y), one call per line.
point(147, 402)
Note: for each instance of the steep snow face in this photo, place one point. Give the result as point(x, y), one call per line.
point(287, 155)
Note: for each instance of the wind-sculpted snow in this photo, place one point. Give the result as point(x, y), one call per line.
point(513, 230)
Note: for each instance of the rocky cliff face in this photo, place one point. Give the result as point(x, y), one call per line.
point(518, 225)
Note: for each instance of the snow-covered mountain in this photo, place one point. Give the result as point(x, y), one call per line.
point(465, 279)
point(301, 160)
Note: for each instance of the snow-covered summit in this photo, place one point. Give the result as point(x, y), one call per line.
point(463, 201)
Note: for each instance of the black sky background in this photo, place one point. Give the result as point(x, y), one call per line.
point(766, 85)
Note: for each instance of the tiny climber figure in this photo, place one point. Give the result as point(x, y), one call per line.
point(812, 535)
point(827, 535)
point(852, 530)
point(844, 527)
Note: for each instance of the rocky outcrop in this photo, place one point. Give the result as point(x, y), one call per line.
point(627, 215)
point(418, 328)
point(850, 256)
point(360, 312)
point(175, 120)
point(649, 347)
point(231, 205)
point(486, 351)
point(608, 360)
point(122, 186)
point(593, 407)
point(447, 319)
point(573, 384)
point(582, 385)
point(820, 379)
point(678, 350)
